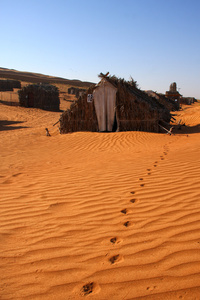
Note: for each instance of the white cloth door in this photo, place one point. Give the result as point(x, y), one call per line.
point(105, 102)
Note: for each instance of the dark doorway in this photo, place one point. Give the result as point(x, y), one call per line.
point(115, 127)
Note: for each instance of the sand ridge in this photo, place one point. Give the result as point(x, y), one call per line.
point(98, 215)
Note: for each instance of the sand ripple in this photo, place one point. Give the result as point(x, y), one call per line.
point(106, 216)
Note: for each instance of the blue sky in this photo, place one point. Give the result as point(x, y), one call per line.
point(156, 42)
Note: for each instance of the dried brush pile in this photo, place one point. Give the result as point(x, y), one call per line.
point(44, 96)
point(9, 85)
point(135, 110)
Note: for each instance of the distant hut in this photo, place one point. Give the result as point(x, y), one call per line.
point(44, 96)
point(114, 105)
point(187, 100)
point(79, 92)
point(76, 91)
point(72, 90)
point(173, 94)
point(9, 85)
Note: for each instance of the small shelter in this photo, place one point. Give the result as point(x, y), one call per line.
point(114, 105)
point(72, 90)
point(187, 100)
point(76, 91)
point(173, 94)
point(80, 92)
point(44, 96)
point(9, 85)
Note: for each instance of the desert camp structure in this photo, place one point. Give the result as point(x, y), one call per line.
point(187, 100)
point(173, 94)
point(9, 85)
point(44, 96)
point(76, 91)
point(114, 105)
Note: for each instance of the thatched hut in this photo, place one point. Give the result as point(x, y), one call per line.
point(76, 91)
point(72, 90)
point(80, 92)
point(44, 96)
point(187, 100)
point(9, 85)
point(114, 105)
point(173, 94)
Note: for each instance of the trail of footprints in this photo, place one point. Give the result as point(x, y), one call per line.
point(89, 287)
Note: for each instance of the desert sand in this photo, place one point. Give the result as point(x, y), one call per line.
point(98, 215)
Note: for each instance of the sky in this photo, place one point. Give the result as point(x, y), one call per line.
point(156, 42)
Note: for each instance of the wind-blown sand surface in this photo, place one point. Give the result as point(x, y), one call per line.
point(98, 215)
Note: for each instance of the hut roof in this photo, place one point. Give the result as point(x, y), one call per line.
point(131, 87)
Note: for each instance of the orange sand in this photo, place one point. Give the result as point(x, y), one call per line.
point(98, 215)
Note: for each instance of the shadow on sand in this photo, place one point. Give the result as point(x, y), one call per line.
point(5, 125)
point(9, 103)
point(185, 129)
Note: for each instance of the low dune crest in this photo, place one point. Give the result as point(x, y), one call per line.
point(98, 215)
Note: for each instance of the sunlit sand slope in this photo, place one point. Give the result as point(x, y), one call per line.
point(98, 215)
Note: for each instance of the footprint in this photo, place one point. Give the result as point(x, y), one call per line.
point(148, 169)
point(115, 240)
point(149, 173)
point(88, 288)
point(115, 259)
point(140, 178)
point(151, 288)
point(124, 211)
point(133, 193)
point(155, 162)
point(133, 200)
point(142, 184)
point(57, 206)
point(155, 165)
point(127, 224)
point(15, 175)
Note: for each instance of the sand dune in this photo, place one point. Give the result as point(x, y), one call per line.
point(98, 215)
point(37, 77)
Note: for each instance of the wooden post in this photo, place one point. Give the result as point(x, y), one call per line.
point(56, 122)
point(168, 131)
